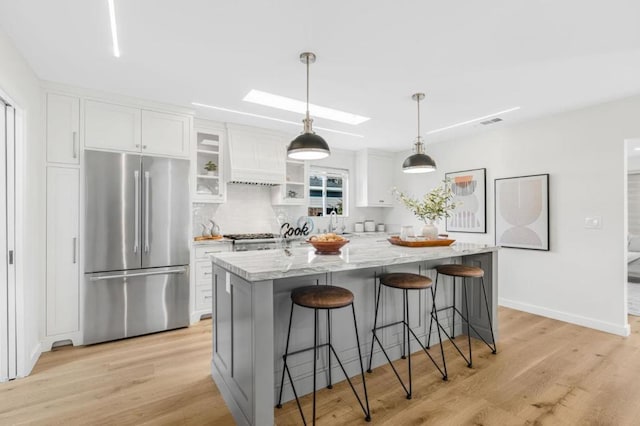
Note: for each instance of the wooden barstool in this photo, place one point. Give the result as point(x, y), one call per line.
point(322, 297)
point(405, 282)
point(467, 273)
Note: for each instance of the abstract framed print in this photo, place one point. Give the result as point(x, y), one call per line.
point(522, 212)
point(470, 195)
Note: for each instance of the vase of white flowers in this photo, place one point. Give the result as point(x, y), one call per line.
point(435, 204)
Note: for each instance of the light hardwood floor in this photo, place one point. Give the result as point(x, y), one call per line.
point(546, 372)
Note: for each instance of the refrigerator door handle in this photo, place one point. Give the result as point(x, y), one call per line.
point(146, 212)
point(136, 228)
point(141, 274)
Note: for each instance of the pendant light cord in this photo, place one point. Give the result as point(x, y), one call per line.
point(418, 101)
point(307, 87)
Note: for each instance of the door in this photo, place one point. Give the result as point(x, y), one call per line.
point(63, 125)
point(63, 200)
point(8, 338)
point(111, 126)
point(166, 213)
point(113, 211)
point(165, 134)
point(131, 303)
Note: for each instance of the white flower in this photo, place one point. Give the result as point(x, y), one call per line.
point(436, 204)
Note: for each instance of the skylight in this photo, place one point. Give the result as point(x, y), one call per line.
point(294, 105)
point(265, 117)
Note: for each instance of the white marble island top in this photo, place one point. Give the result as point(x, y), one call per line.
point(274, 264)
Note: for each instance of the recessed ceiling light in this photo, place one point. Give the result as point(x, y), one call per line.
point(294, 105)
point(114, 28)
point(273, 119)
point(473, 120)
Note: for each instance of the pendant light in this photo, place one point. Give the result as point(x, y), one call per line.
point(419, 162)
point(308, 146)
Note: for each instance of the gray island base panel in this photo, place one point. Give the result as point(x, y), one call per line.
point(251, 306)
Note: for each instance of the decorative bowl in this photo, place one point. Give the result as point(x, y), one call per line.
point(328, 247)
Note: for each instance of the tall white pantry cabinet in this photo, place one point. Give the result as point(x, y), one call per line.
point(63, 219)
point(74, 122)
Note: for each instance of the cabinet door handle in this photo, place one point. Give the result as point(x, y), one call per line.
point(74, 143)
point(381, 201)
point(75, 249)
point(207, 273)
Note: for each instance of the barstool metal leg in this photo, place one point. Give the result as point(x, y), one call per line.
point(406, 329)
point(466, 307)
point(404, 317)
point(364, 383)
point(494, 349)
point(315, 358)
point(284, 357)
point(435, 312)
point(453, 313)
point(375, 324)
point(330, 386)
point(434, 291)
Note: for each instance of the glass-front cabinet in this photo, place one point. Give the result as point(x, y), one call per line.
point(294, 190)
point(209, 163)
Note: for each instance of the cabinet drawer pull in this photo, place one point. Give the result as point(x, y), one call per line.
point(74, 138)
point(207, 273)
point(208, 297)
point(213, 251)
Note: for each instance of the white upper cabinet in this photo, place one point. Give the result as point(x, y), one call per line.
point(122, 128)
point(374, 178)
point(111, 126)
point(165, 134)
point(63, 129)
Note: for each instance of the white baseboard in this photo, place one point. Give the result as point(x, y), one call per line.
point(31, 362)
point(619, 329)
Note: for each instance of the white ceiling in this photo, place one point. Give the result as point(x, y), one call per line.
point(472, 60)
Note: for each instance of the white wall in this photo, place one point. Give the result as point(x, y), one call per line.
point(248, 207)
point(581, 279)
point(22, 86)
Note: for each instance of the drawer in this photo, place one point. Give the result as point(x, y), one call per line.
point(204, 298)
point(203, 251)
point(204, 270)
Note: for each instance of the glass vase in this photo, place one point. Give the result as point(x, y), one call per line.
point(429, 230)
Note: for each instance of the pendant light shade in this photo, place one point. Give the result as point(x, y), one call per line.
point(419, 162)
point(308, 146)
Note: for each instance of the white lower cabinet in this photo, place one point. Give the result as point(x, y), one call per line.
point(63, 273)
point(202, 276)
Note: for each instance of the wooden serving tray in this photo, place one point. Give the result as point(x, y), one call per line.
point(420, 243)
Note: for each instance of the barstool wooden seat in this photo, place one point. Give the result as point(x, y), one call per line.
point(325, 297)
point(466, 273)
point(405, 282)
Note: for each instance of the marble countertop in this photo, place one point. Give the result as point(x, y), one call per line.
point(302, 260)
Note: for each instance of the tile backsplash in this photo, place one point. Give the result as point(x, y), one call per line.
point(248, 209)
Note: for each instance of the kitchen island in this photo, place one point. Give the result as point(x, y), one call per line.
point(251, 304)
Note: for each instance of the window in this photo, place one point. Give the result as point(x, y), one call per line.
point(328, 191)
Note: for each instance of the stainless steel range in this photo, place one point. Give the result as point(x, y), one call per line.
point(249, 242)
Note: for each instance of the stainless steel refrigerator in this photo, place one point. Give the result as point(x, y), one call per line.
point(136, 251)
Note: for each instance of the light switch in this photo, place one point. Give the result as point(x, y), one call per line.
point(593, 222)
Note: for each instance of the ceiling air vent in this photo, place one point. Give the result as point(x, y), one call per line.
point(492, 121)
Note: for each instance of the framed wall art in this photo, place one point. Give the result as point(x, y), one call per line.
point(522, 212)
point(470, 195)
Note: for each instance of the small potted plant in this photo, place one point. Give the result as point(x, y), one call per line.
point(435, 204)
point(211, 167)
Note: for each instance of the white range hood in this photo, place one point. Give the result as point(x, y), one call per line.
point(257, 156)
